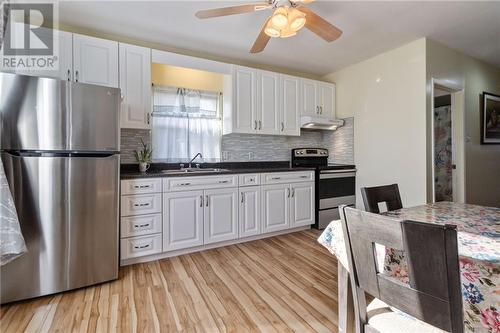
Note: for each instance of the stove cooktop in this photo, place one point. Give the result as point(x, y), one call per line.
point(334, 166)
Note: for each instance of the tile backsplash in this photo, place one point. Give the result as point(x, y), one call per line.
point(250, 147)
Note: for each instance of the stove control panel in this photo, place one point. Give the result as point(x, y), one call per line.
point(310, 152)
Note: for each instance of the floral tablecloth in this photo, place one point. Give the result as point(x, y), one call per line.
point(479, 251)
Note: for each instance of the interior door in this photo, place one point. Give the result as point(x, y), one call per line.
point(268, 105)
point(249, 211)
point(135, 85)
point(220, 215)
point(275, 207)
point(309, 102)
point(182, 220)
point(302, 210)
point(95, 60)
point(72, 239)
point(245, 100)
point(290, 105)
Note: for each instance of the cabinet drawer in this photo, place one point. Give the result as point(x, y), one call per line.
point(141, 186)
point(140, 246)
point(140, 225)
point(287, 177)
point(140, 204)
point(249, 179)
point(199, 183)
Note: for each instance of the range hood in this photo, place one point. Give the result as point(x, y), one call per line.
point(321, 123)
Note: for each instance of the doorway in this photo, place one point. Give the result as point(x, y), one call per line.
point(448, 142)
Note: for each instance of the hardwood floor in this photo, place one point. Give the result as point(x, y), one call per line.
point(280, 284)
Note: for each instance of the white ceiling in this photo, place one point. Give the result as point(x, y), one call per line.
point(369, 28)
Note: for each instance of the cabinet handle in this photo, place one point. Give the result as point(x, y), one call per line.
point(184, 184)
point(69, 75)
point(242, 197)
point(255, 126)
point(293, 192)
point(304, 177)
point(76, 75)
point(288, 191)
point(148, 117)
point(317, 109)
point(142, 186)
point(275, 178)
point(141, 204)
point(223, 181)
point(206, 204)
point(201, 200)
point(141, 225)
point(260, 125)
point(141, 246)
point(321, 110)
point(282, 126)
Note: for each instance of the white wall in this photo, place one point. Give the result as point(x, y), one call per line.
point(482, 162)
point(386, 96)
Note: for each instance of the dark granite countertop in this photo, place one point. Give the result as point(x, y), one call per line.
point(130, 171)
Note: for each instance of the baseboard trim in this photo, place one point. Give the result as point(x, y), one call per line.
point(175, 253)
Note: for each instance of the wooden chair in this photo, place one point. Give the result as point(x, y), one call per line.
point(433, 294)
point(387, 193)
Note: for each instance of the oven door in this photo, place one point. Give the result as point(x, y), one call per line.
point(335, 188)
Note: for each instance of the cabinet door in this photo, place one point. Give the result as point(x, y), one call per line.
point(275, 207)
point(302, 204)
point(327, 100)
point(220, 215)
point(135, 85)
point(244, 100)
point(182, 220)
point(249, 221)
point(95, 61)
point(65, 54)
point(290, 105)
point(309, 98)
point(268, 103)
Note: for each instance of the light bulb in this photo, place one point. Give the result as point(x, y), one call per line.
point(296, 19)
point(280, 17)
point(271, 30)
point(287, 32)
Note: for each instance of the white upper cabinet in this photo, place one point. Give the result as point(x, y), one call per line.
point(65, 54)
point(290, 105)
point(268, 103)
point(220, 215)
point(245, 99)
point(135, 85)
point(318, 99)
point(95, 61)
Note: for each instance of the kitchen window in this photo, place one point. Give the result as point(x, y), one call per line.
point(186, 122)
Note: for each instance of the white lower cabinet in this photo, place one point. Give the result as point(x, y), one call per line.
point(220, 215)
point(275, 207)
point(302, 204)
point(140, 246)
point(249, 211)
point(182, 220)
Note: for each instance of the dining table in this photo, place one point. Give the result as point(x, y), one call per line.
point(478, 235)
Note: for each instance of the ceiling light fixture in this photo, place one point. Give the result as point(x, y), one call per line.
point(285, 22)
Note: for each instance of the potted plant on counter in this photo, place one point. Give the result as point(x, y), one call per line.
point(143, 156)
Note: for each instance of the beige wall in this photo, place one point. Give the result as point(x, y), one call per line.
point(482, 162)
point(186, 78)
point(386, 97)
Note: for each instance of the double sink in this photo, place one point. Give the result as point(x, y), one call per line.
point(192, 170)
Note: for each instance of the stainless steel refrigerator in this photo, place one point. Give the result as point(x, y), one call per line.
point(60, 149)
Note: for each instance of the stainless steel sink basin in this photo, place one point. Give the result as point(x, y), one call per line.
point(192, 170)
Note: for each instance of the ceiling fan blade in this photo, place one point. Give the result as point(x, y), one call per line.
point(320, 26)
point(261, 41)
point(216, 12)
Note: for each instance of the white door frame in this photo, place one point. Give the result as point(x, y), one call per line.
point(453, 88)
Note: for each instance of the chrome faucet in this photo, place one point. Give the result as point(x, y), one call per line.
point(195, 156)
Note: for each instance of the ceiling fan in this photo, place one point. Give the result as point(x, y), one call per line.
point(289, 16)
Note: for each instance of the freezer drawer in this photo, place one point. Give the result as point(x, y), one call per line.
point(68, 212)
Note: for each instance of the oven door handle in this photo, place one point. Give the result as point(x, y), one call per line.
point(338, 171)
point(337, 175)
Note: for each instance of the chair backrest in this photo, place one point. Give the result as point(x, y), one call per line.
point(387, 193)
point(433, 294)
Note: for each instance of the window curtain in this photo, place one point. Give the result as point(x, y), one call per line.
point(185, 122)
